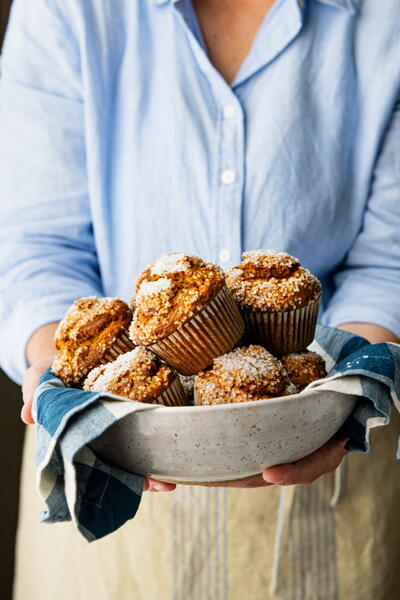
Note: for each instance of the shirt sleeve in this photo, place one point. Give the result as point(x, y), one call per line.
point(47, 252)
point(367, 287)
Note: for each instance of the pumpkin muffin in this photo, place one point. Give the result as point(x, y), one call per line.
point(93, 331)
point(243, 375)
point(138, 375)
point(304, 367)
point(278, 298)
point(184, 312)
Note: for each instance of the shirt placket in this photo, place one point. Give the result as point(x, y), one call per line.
point(230, 178)
point(227, 186)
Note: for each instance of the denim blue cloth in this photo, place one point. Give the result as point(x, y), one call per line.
point(120, 141)
point(99, 497)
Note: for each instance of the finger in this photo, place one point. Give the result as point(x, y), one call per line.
point(247, 483)
point(26, 414)
point(30, 382)
point(324, 460)
point(28, 388)
point(153, 485)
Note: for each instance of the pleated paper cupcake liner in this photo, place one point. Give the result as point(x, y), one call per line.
point(282, 332)
point(211, 332)
point(121, 345)
point(174, 395)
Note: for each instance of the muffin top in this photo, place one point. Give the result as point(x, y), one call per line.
point(169, 292)
point(89, 328)
point(245, 374)
point(268, 280)
point(304, 367)
point(138, 375)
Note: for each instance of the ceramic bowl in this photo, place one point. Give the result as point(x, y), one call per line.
point(224, 442)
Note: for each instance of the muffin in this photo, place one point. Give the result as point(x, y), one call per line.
point(278, 298)
point(243, 375)
point(304, 367)
point(184, 312)
point(138, 375)
point(93, 331)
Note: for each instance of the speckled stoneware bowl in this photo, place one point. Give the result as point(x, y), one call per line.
point(225, 442)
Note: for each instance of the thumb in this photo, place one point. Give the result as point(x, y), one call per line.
point(31, 381)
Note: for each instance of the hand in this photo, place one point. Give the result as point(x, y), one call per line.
point(324, 460)
point(153, 485)
point(31, 381)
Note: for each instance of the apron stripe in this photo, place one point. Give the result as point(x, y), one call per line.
point(226, 558)
point(208, 544)
point(318, 546)
point(200, 565)
point(192, 515)
point(217, 538)
point(174, 549)
point(294, 534)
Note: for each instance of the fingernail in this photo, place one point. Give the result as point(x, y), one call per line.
point(156, 487)
point(274, 480)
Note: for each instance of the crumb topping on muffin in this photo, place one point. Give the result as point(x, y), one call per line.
point(304, 367)
point(245, 374)
point(138, 375)
point(87, 331)
point(169, 292)
point(268, 280)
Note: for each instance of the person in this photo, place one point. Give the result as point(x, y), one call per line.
point(133, 128)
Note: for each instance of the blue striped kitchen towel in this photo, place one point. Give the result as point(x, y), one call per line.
point(99, 498)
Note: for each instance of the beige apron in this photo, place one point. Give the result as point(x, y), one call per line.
point(219, 544)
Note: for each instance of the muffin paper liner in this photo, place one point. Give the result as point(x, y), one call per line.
point(282, 332)
point(211, 332)
point(120, 345)
point(174, 395)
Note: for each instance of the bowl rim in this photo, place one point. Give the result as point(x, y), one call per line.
point(239, 406)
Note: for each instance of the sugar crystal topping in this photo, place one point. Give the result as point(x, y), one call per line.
point(247, 373)
point(263, 253)
point(169, 292)
point(269, 280)
point(148, 288)
point(304, 367)
point(138, 375)
point(122, 364)
point(251, 366)
point(169, 263)
point(88, 330)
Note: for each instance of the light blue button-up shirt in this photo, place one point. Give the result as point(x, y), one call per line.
point(120, 141)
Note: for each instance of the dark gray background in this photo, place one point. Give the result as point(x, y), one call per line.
point(11, 437)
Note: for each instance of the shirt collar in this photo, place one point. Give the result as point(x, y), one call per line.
point(159, 2)
point(348, 4)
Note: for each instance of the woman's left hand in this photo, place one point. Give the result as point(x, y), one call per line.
point(324, 460)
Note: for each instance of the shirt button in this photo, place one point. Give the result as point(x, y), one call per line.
point(301, 3)
point(228, 176)
point(224, 255)
point(229, 111)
